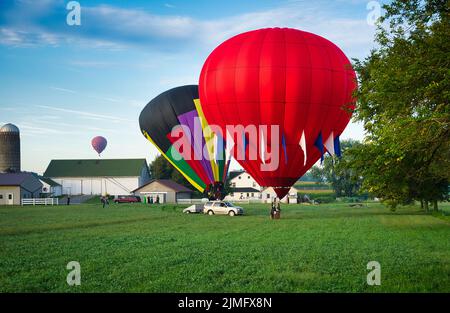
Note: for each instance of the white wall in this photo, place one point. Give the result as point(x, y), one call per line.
point(237, 196)
point(55, 191)
point(244, 180)
point(97, 185)
point(269, 194)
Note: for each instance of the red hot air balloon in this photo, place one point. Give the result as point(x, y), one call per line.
point(282, 77)
point(99, 144)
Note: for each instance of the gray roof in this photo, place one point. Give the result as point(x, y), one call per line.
point(233, 174)
point(167, 183)
point(245, 189)
point(9, 128)
point(46, 180)
point(13, 179)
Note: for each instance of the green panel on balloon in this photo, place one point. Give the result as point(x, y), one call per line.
point(183, 166)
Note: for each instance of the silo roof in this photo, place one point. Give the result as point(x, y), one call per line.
point(9, 128)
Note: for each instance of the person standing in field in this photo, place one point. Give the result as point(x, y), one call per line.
point(103, 201)
point(272, 209)
point(277, 208)
point(68, 200)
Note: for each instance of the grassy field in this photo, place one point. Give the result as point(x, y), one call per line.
point(136, 248)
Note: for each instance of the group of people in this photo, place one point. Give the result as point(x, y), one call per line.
point(150, 200)
point(275, 210)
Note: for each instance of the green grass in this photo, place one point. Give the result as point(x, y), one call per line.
point(137, 248)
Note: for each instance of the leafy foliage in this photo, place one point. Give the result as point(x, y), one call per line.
point(160, 168)
point(345, 181)
point(403, 101)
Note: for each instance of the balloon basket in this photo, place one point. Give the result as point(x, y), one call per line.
point(276, 215)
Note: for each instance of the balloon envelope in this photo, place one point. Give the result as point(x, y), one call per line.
point(282, 77)
point(99, 144)
point(174, 122)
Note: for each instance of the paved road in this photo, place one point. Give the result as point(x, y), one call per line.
point(75, 199)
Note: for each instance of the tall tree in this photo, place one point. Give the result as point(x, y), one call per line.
point(403, 101)
point(343, 178)
point(160, 168)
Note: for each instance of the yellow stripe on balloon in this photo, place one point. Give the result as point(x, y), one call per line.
point(174, 165)
point(208, 134)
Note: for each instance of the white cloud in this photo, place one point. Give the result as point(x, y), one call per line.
point(87, 114)
point(116, 27)
point(63, 89)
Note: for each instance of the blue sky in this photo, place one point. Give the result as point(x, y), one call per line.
point(62, 85)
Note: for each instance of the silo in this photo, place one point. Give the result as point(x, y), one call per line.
point(9, 148)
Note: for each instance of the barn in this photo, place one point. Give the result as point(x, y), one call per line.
point(98, 176)
point(163, 190)
point(17, 186)
point(50, 188)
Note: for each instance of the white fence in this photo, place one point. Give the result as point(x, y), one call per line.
point(40, 201)
point(190, 201)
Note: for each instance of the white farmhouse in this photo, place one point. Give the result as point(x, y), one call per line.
point(246, 188)
point(99, 176)
point(268, 194)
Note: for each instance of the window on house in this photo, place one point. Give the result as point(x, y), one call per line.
point(254, 184)
point(248, 177)
point(253, 194)
point(247, 195)
point(10, 197)
point(233, 185)
point(1, 197)
point(240, 177)
point(268, 196)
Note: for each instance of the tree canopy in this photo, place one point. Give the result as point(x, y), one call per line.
point(344, 180)
point(403, 102)
point(160, 168)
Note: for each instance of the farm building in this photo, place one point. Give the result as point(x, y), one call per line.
point(244, 193)
point(166, 190)
point(98, 176)
point(268, 194)
point(244, 187)
point(16, 186)
point(50, 187)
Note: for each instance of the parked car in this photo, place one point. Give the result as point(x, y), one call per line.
point(195, 208)
point(127, 199)
point(222, 207)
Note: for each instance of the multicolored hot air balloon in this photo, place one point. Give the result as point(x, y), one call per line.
point(282, 77)
point(99, 144)
point(175, 124)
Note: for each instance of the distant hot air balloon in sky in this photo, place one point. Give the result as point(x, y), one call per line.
point(99, 144)
point(282, 77)
point(174, 122)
